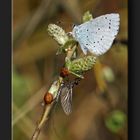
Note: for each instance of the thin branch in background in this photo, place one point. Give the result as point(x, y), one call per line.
point(34, 20)
point(72, 7)
point(102, 86)
point(33, 53)
point(29, 105)
point(26, 124)
point(121, 41)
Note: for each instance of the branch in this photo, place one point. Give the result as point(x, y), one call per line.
point(48, 107)
point(43, 120)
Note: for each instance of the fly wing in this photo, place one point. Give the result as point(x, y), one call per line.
point(66, 99)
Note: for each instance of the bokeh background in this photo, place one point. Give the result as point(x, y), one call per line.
point(99, 101)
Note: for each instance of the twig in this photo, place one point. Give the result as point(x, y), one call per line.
point(70, 53)
point(102, 89)
point(49, 107)
point(34, 21)
point(29, 105)
point(42, 121)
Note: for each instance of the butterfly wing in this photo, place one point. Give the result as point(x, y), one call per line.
point(97, 35)
point(66, 99)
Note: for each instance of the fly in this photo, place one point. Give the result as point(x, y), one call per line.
point(65, 94)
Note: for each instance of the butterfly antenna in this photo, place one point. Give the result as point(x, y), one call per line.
point(63, 23)
point(58, 22)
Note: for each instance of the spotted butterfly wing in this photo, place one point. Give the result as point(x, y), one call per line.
point(66, 99)
point(97, 35)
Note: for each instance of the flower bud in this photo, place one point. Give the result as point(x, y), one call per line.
point(78, 66)
point(58, 34)
point(87, 16)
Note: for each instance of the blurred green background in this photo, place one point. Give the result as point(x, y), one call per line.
point(99, 101)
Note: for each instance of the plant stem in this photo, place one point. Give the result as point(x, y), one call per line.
point(49, 107)
point(42, 121)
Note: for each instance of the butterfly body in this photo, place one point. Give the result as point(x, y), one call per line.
point(97, 35)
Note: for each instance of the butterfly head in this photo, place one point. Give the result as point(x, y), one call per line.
point(74, 31)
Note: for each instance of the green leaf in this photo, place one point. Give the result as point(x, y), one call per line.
point(115, 121)
point(20, 88)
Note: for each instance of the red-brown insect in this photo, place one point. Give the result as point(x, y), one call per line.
point(64, 72)
point(48, 98)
